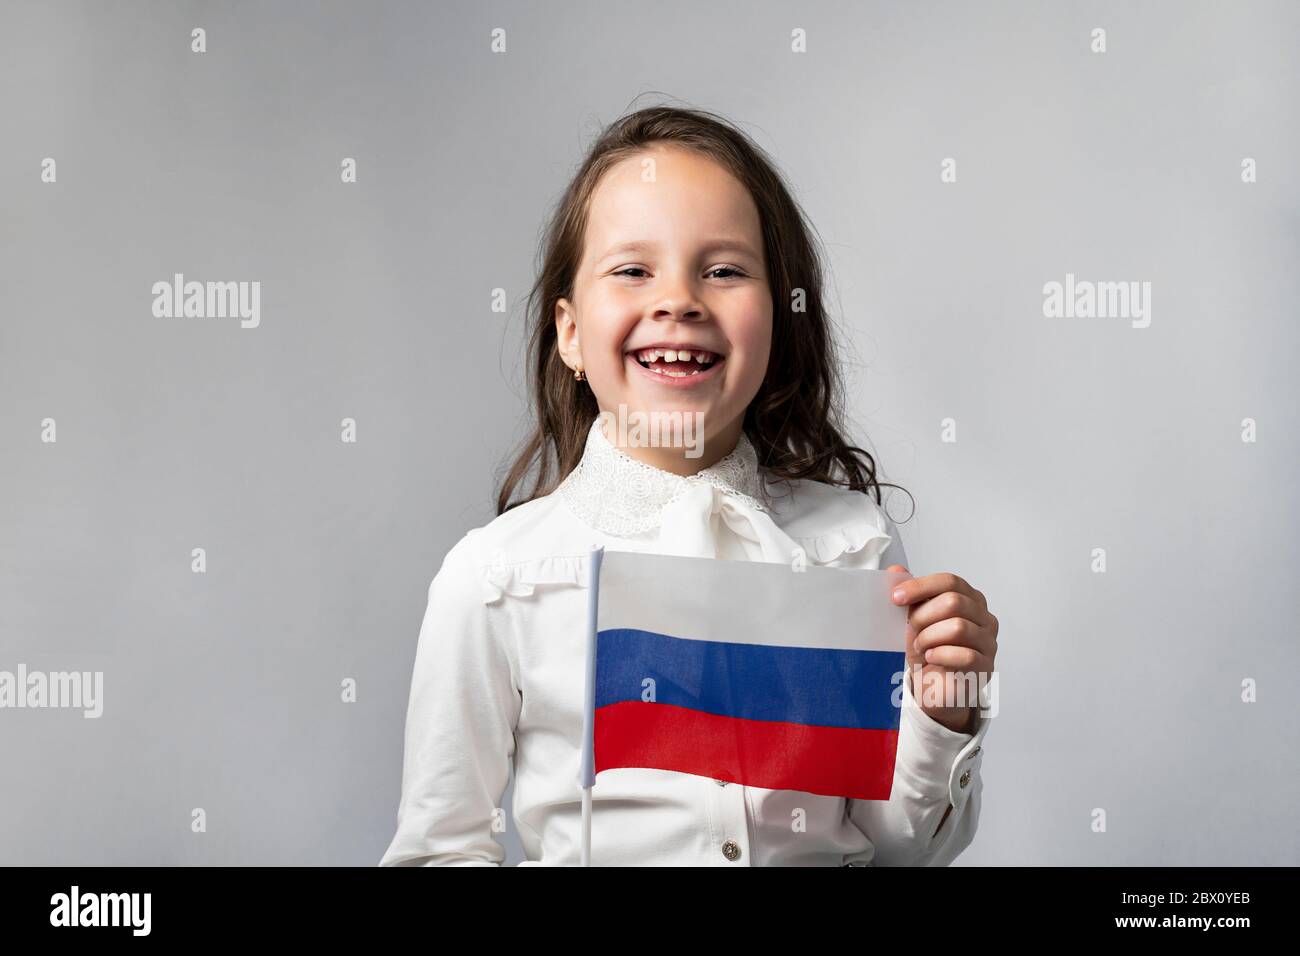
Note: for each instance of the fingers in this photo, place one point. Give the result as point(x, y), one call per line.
point(958, 658)
point(954, 632)
point(932, 585)
point(948, 622)
point(946, 605)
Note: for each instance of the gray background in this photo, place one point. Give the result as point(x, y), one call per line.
point(1119, 690)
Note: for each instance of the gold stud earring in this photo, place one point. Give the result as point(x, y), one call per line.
point(578, 375)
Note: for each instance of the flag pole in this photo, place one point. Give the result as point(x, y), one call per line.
point(587, 772)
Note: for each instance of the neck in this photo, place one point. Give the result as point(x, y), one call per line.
point(674, 459)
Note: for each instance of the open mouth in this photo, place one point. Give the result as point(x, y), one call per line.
point(677, 363)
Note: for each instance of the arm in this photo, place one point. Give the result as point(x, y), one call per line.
point(460, 722)
point(930, 816)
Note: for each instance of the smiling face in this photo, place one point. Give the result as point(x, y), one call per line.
point(673, 256)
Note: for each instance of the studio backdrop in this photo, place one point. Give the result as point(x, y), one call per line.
point(1062, 242)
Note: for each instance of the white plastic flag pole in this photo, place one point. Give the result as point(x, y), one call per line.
point(587, 772)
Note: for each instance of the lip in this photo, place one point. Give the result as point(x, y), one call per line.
point(669, 381)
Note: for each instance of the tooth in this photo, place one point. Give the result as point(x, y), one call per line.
point(699, 358)
point(670, 356)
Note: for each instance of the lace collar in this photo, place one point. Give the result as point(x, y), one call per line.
point(619, 495)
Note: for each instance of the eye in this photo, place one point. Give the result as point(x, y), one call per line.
point(622, 272)
point(732, 269)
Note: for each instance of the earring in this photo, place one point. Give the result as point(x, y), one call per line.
point(578, 375)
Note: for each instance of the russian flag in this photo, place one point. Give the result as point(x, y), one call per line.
point(750, 672)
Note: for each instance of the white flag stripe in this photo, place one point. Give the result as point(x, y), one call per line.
point(751, 602)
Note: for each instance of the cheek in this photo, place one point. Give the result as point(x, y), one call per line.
point(752, 334)
point(607, 322)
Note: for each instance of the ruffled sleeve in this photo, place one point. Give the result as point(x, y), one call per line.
point(522, 578)
point(836, 526)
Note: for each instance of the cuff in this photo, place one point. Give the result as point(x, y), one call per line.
point(938, 761)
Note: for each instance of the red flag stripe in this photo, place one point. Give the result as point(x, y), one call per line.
point(832, 761)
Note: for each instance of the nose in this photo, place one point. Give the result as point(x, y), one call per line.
point(679, 301)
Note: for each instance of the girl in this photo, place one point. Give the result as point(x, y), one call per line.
point(679, 277)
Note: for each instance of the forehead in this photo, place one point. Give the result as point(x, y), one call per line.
point(679, 197)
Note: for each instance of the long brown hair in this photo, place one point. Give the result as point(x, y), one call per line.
point(794, 421)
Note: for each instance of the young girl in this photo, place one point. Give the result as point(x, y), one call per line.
point(679, 276)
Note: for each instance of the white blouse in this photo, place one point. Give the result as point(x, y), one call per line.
point(499, 678)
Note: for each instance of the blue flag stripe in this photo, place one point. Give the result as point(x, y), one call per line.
point(824, 687)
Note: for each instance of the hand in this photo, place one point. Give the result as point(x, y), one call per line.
point(949, 630)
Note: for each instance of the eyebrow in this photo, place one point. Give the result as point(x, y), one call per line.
point(714, 245)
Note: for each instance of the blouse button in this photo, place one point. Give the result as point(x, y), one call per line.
point(731, 850)
point(965, 778)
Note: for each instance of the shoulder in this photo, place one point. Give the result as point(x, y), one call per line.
point(512, 530)
point(533, 543)
point(832, 523)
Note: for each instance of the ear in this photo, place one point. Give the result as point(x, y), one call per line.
point(566, 334)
